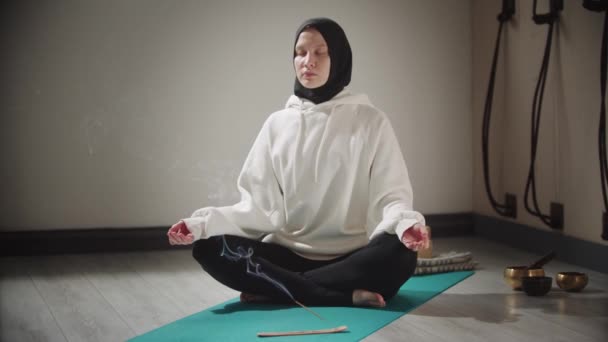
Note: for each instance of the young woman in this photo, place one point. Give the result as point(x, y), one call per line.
point(325, 215)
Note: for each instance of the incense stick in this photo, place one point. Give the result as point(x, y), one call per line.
point(303, 332)
point(309, 310)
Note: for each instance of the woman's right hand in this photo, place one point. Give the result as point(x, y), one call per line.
point(179, 234)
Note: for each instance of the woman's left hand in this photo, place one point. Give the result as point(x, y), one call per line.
point(416, 237)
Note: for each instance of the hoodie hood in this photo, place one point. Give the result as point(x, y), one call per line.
point(342, 98)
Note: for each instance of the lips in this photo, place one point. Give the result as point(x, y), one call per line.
point(308, 74)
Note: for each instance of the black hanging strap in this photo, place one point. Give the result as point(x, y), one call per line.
point(549, 18)
point(507, 209)
point(602, 129)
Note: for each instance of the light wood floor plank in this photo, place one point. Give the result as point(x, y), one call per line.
point(189, 288)
point(140, 305)
point(80, 310)
point(24, 316)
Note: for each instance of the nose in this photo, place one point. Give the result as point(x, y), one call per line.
point(310, 61)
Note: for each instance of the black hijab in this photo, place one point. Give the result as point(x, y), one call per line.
point(341, 60)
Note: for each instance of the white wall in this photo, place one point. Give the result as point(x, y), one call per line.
point(567, 162)
point(135, 113)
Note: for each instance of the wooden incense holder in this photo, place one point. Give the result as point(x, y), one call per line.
point(303, 332)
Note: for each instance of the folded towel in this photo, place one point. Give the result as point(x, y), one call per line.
point(465, 266)
point(446, 258)
point(446, 262)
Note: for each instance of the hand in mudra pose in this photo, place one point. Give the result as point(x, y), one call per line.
point(179, 234)
point(416, 238)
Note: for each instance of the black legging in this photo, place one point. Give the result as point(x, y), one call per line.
point(382, 266)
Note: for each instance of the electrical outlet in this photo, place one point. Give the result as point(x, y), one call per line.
point(605, 226)
point(511, 204)
point(557, 216)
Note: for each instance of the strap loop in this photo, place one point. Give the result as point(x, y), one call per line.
point(596, 5)
point(555, 6)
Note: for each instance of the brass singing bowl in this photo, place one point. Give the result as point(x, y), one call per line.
point(571, 281)
point(513, 275)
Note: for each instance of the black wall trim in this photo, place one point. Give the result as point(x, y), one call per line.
point(568, 249)
point(83, 241)
point(448, 225)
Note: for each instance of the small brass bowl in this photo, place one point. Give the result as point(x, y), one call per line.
point(513, 275)
point(571, 281)
point(536, 286)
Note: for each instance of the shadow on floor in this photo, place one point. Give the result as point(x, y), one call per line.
point(506, 307)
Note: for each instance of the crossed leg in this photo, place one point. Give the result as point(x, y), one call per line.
point(366, 276)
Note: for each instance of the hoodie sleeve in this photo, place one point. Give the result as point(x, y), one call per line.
point(260, 210)
point(391, 198)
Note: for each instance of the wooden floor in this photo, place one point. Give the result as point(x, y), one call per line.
point(113, 297)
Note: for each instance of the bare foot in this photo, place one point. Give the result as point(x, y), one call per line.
point(368, 298)
point(253, 298)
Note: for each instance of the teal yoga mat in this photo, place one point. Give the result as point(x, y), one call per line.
point(234, 321)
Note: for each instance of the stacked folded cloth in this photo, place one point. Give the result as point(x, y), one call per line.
point(446, 262)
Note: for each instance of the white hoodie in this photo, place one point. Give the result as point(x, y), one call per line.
point(321, 179)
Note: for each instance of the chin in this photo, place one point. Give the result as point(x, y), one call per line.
point(311, 85)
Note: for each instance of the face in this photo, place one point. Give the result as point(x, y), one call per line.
point(311, 61)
